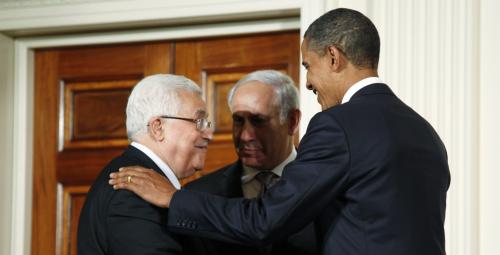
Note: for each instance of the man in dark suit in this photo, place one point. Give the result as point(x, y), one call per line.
point(266, 115)
point(371, 170)
point(166, 121)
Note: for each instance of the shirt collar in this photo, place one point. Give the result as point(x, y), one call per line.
point(249, 172)
point(160, 163)
point(359, 85)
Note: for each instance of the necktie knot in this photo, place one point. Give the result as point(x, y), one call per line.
point(266, 180)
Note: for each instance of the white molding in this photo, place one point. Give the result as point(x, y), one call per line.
point(198, 31)
point(6, 140)
point(489, 139)
point(33, 3)
point(123, 14)
point(23, 150)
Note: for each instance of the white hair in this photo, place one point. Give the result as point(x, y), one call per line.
point(155, 95)
point(285, 92)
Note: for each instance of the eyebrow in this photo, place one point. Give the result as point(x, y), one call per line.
point(201, 113)
point(260, 115)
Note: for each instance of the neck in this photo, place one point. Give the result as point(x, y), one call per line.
point(353, 75)
point(148, 142)
point(285, 155)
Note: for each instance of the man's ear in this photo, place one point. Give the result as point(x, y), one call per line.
point(156, 130)
point(335, 56)
point(293, 121)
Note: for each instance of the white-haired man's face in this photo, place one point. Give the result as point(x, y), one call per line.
point(184, 146)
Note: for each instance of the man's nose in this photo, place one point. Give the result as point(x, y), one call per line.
point(248, 132)
point(309, 86)
point(208, 133)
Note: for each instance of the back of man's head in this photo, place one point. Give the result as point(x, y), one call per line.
point(351, 32)
point(155, 95)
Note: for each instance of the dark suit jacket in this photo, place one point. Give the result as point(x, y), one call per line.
point(226, 182)
point(372, 171)
point(119, 222)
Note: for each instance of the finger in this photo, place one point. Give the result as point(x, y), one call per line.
point(116, 179)
point(125, 179)
point(134, 168)
point(116, 176)
point(125, 185)
point(125, 173)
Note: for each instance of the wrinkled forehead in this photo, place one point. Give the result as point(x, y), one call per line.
point(255, 97)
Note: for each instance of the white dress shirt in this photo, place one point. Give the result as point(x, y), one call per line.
point(162, 165)
point(251, 187)
point(359, 85)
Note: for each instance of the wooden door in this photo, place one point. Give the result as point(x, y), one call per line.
point(80, 98)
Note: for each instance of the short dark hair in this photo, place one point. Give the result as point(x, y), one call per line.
point(350, 31)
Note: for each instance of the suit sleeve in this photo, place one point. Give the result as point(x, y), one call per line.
point(307, 186)
point(136, 227)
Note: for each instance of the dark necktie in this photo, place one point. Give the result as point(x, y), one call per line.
point(266, 180)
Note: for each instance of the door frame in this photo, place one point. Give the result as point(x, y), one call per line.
point(24, 48)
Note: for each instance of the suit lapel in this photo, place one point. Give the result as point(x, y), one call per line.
point(232, 180)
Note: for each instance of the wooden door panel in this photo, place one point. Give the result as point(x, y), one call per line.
point(218, 87)
point(94, 115)
point(112, 60)
point(70, 169)
point(73, 200)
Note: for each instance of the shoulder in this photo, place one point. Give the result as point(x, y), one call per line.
point(216, 179)
point(124, 200)
point(100, 187)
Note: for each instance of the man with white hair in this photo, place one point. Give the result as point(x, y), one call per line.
point(167, 124)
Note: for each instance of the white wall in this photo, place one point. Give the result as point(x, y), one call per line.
point(489, 127)
point(6, 131)
point(430, 58)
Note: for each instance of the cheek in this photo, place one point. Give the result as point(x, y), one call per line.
point(200, 156)
point(187, 144)
point(266, 139)
point(236, 134)
point(272, 141)
point(275, 137)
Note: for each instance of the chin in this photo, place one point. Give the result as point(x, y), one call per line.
point(252, 163)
